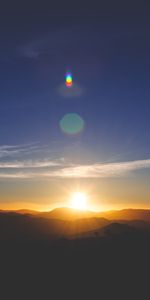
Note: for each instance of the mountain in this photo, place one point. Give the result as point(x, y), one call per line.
point(27, 212)
point(127, 214)
point(15, 225)
point(66, 213)
point(116, 229)
point(93, 252)
point(70, 223)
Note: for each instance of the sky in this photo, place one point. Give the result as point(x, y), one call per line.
point(92, 137)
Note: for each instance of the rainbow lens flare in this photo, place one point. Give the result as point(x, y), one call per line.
point(69, 80)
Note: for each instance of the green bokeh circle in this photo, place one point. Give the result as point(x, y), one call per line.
point(72, 123)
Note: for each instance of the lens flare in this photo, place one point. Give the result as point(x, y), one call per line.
point(69, 81)
point(72, 123)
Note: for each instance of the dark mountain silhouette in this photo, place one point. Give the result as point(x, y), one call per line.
point(70, 223)
point(87, 257)
point(117, 229)
point(13, 225)
point(111, 230)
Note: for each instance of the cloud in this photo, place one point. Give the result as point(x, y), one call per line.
point(30, 164)
point(17, 150)
point(102, 170)
point(18, 175)
point(61, 170)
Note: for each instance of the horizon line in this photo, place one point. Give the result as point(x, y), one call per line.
point(73, 209)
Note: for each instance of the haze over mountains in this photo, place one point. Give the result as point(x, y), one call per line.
point(69, 223)
point(66, 213)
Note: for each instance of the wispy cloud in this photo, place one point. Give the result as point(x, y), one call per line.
point(15, 175)
point(103, 170)
point(58, 169)
point(17, 150)
point(30, 164)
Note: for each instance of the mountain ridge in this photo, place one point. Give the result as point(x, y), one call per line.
point(67, 213)
point(59, 224)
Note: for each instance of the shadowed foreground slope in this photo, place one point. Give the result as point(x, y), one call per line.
point(111, 264)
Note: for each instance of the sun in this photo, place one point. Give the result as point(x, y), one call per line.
point(79, 201)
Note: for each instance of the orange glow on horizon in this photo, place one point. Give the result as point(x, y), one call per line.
point(12, 206)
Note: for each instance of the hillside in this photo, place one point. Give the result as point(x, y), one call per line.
point(70, 223)
point(66, 213)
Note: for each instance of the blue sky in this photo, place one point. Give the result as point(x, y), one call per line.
point(107, 50)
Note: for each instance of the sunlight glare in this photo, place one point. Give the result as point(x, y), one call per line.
point(79, 201)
